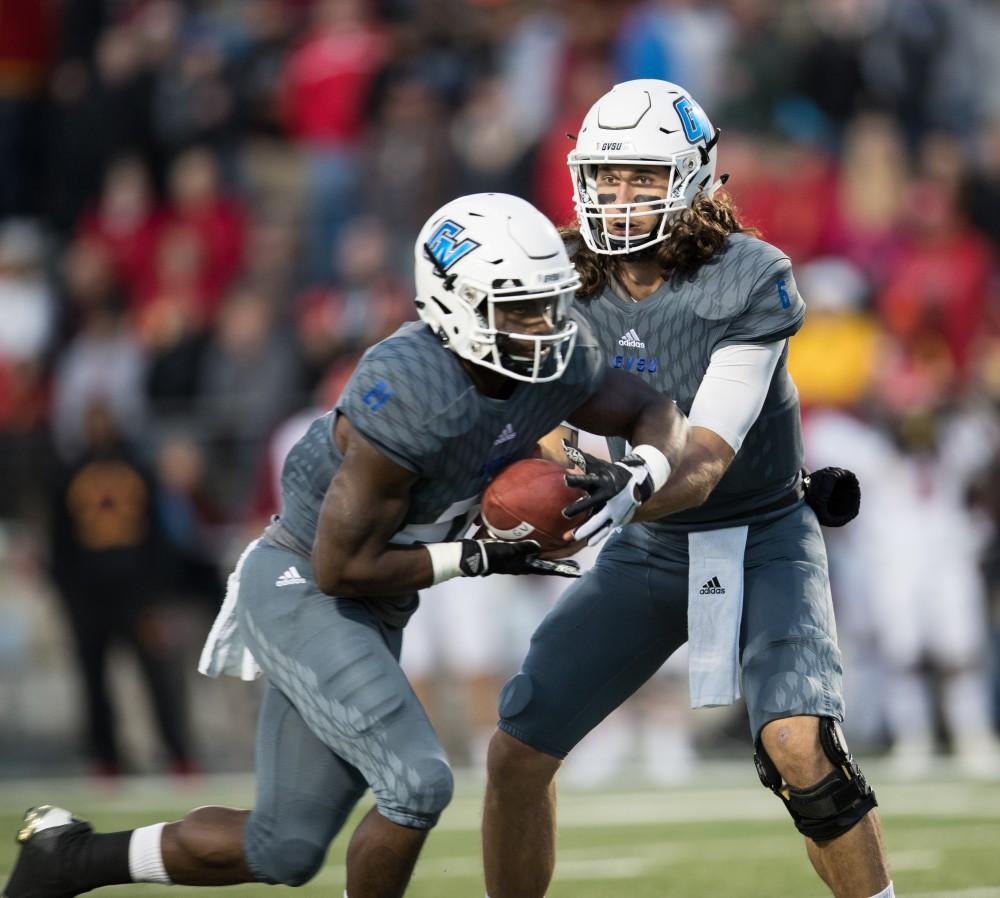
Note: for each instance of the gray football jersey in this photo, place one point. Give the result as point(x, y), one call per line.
point(413, 399)
point(746, 294)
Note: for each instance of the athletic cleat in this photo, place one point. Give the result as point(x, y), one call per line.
point(38, 872)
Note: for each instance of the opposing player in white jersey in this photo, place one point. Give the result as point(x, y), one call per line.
point(375, 499)
point(732, 558)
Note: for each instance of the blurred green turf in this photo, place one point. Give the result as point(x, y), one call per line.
point(713, 839)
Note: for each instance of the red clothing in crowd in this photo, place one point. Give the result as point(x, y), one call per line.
point(130, 244)
point(940, 287)
point(553, 189)
point(789, 200)
point(872, 250)
point(27, 32)
point(23, 396)
point(197, 253)
point(221, 228)
point(326, 83)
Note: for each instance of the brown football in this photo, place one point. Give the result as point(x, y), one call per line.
point(525, 501)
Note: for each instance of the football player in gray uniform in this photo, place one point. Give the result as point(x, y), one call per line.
point(376, 499)
point(731, 558)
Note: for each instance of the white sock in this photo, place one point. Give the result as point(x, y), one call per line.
point(887, 892)
point(145, 856)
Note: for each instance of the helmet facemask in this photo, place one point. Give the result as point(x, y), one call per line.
point(595, 214)
point(645, 123)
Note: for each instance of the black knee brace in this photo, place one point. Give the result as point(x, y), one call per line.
point(832, 806)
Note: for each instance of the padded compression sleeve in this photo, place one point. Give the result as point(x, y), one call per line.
point(734, 388)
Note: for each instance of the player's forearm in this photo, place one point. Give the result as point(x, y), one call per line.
point(663, 425)
point(627, 407)
point(352, 554)
point(688, 487)
point(691, 482)
point(405, 569)
point(395, 571)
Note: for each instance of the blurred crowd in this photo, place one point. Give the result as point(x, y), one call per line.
point(207, 210)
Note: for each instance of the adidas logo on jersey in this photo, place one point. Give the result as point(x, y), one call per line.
point(631, 339)
point(291, 577)
point(713, 588)
point(507, 434)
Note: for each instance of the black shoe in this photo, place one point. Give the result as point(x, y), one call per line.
point(38, 872)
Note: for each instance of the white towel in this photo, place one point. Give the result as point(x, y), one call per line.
point(224, 651)
point(715, 609)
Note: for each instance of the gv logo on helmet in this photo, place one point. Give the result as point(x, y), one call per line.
point(610, 147)
point(693, 120)
point(445, 248)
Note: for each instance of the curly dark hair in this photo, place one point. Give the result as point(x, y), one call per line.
point(696, 235)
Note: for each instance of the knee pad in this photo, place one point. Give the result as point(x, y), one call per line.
point(515, 695)
point(417, 795)
point(832, 806)
point(290, 862)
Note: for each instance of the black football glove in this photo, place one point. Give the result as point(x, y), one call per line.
point(834, 494)
point(615, 491)
point(496, 556)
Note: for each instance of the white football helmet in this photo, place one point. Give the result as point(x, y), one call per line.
point(645, 122)
point(481, 253)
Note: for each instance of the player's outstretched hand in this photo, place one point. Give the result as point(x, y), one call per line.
point(614, 492)
point(496, 556)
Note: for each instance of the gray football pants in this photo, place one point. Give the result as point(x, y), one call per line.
point(615, 626)
point(338, 716)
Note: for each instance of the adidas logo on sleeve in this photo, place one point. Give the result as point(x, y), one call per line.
point(631, 339)
point(505, 435)
point(713, 588)
point(291, 577)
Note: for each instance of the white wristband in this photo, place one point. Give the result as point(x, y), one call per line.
point(656, 461)
point(446, 560)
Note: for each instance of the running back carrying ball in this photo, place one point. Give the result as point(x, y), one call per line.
point(525, 501)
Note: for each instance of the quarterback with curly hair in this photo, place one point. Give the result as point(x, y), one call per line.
point(728, 556)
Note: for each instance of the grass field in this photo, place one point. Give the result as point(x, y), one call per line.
point(721, 836)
